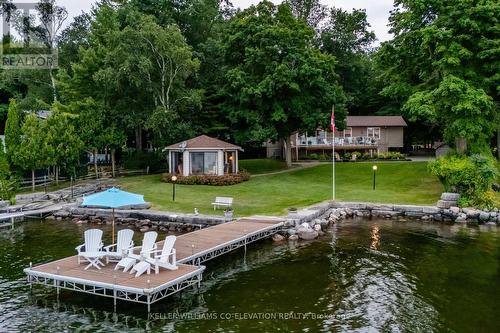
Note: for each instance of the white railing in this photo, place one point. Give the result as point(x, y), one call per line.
point(352, 141)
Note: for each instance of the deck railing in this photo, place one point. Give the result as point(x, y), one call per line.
point(350, 141)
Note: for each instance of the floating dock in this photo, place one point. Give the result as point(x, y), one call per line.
point(192, 249)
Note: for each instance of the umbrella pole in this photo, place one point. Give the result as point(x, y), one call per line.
point(113, 228)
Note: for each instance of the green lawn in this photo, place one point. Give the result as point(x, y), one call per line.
point(259, 166)
point(397, 182)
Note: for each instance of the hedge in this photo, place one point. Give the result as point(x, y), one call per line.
point(212, 180)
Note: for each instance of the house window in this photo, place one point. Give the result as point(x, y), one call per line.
point(203, 163)
point(373, 132)
point(348, 132)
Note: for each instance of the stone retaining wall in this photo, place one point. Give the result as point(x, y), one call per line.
point(452, 214)
point(143, 219)
point(311, 222)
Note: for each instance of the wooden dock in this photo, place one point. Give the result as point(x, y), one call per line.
point(192, 249)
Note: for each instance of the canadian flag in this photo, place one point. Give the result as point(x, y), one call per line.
point(332, 122)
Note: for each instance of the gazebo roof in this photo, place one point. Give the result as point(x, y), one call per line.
point(204, 142)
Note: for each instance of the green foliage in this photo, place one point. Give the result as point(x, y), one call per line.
point(443, 65)
point(12, 131)
point(212, 180)
point(347, 36)
point(143, 89)
point(4, 164)
point(8, 188)
point(65, 146)
point(472, 177)
point(136, 160)
point(275, 83)
point(33, 152)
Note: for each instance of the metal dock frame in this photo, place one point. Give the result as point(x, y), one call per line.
point(202, 256)
point(117, 292)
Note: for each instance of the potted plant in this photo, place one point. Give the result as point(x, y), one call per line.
point(228, 213)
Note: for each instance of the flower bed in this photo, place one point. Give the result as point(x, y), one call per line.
point(230, 179)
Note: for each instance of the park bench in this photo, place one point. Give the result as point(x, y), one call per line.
point(222, 201)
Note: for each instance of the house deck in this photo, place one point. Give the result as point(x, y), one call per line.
point(192, 249)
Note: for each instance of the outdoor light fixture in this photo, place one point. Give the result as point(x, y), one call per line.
point(231, 158)
point(174, 179)
point(374, 175)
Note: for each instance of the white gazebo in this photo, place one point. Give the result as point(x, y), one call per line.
point(203, 155)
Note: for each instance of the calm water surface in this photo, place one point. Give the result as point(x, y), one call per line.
point(364, 276)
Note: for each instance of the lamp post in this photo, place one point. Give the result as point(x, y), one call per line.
point(374, 175)
point(174, 179)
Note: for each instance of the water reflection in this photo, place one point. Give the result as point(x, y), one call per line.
point(375, 236)
point(422, 277)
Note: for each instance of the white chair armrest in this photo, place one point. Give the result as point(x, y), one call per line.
point(109, 247)
point(79, 248)
point(166, 255)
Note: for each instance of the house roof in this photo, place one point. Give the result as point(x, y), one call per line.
point(379, 121)
point(204, 142)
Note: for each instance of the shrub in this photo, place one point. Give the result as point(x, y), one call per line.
point(347, 156)
point(230, 179)
point(8, 188)
point(472, 177)
point(136, 160)
point(313, 156)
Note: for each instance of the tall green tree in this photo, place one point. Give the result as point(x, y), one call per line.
point(12, 131)
point(444, 65)
point(348, 37)
point(143, 89)
point(33, 152)
point(63, 141)
point(275, 82)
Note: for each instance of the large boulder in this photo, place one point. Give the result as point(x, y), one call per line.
point(308, 234)
point(278, 238)
point(484, 217)
point(448, 196)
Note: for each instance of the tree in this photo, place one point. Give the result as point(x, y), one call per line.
point(12, 131)
point(443, 65)
point(63, 141)
point(52, 18)
point(310, 11)
point(33, 152)
point(276, 83)
point(160, 66)
point(143, 89)
point(347, 36)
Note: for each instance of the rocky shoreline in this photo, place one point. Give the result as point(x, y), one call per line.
point(311, 222)
point(306, 224)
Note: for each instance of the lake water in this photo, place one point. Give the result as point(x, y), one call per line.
point(363, 276)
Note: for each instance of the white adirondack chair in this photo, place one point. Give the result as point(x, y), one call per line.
point(91, 251)
point(164, 258)
point(124, 242)
point(148, 245)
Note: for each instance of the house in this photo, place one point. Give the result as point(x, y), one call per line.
point(203, 155)
point(373, 134)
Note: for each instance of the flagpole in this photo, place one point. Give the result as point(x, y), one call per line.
point(333, 154)
point(333, 166)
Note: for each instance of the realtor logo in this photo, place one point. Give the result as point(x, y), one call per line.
point(28, 34)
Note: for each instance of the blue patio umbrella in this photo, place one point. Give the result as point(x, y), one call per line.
point(113, 198)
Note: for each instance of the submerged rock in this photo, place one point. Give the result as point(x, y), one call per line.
point(278, 238)
point(293, 238)
point(308, 234)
